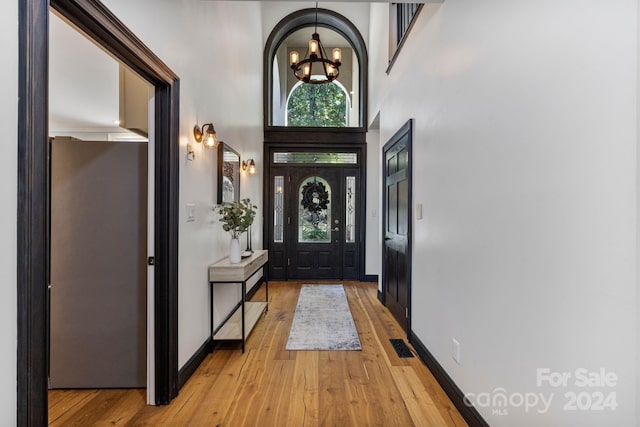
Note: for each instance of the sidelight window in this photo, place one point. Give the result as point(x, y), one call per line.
point(278, 209)
point(350, 207)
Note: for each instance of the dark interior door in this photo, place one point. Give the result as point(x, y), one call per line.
point(396, 273)
point(315, 224)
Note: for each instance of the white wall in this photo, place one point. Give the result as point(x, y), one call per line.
point(525, 154)
point(83, 85)
point(8, 194)
point(373, 254)
point(637, 339)
point(216, 50)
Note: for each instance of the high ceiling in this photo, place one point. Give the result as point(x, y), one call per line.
point(83, 80)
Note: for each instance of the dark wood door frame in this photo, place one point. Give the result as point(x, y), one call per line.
point(324, 18)
point(406, 129)
point(316, 141)
point(99, 24)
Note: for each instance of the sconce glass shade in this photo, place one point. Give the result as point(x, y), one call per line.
point(206, 135)
point(211, 141)
point(249, 166)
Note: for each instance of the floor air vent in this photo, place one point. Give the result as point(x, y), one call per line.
point(401, 348)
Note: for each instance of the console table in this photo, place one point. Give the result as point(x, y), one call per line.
point(238, 325)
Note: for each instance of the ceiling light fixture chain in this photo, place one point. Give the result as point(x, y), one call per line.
point(315, 29)
point(303, 69)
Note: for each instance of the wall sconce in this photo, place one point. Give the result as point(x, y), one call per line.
point(251, 165)
point(206, 135)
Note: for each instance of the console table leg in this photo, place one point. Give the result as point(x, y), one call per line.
point(211, 313)
point(244, 297)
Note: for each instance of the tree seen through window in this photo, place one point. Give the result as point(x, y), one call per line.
point(323, 105)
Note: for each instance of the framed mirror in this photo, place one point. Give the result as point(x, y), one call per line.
point(228, 174)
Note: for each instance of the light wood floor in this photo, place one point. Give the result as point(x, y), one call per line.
point(269, 386)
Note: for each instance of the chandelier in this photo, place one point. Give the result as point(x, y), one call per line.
point(303, 70)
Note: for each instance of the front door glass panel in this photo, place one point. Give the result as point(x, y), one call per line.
point(314, 211)
point(278, 209)
point(303, 157)
point(350, 210)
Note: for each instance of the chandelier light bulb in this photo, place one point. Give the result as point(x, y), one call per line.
point(313, 47)
point(337, 55)
point(294, 57)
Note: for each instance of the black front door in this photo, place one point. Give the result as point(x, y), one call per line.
point(315, 232)
point(314, 215)
point(396, 271)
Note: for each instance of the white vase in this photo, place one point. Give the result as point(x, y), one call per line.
point(234, 251)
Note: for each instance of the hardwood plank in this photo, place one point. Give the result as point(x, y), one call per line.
point(270, 386)
point(305, 409)
point(92, 410)
point(64, 403)
point(124, 410)
point(446, 407)
point(421, 408)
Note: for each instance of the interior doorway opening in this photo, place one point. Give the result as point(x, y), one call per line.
point(99, 206)
point(101, 26)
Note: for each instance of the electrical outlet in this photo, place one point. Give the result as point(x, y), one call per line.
point(455, 350)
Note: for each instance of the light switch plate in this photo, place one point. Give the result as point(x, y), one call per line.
point(418, 210)
point(191, 212)
point(455, 350)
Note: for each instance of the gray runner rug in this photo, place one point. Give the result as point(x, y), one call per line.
point(323, 321)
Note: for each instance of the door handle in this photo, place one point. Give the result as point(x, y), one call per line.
point(335, 229)
point(387, 238)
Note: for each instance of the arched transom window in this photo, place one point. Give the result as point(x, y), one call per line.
point(288, 102)
point(325, 105)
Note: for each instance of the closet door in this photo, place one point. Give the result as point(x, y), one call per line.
point(396, 199)
point(98, 264)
